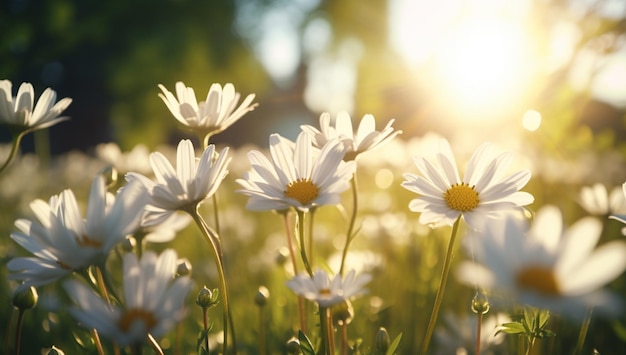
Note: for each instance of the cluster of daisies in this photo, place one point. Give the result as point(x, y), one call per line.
point(517, 262)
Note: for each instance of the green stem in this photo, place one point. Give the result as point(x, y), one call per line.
point(311, 249)
point(442, 286)
point(305, 259)
point(292, 256)
point(349, 236)
point(262, 346)
point(479, 327)
point(531, 343)
point(324, 330)
point(17, 138)
point(205, 322)
point(96, 340)
point(583, 331)
point(214, 241)
point(18, 330)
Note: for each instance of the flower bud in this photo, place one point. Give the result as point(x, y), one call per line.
point(262, 296)
point(128, 244)
point(184, 267)
point(382, 341)
point(207, 298)
point(343, 313)
point(110, 176)
point(55, 351)
point(480, 303)
point(25, 298)
point(293, 346)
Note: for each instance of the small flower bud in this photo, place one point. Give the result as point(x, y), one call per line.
point(128, 244)
point(55, 351)
point(282, 256)
point(343, 313)
point(262, 296)
point(110, 176)
point(382, 341)
point(207, 298)
point(25, 298)
point(480, 303)
point(184, 267)
point(293, 346)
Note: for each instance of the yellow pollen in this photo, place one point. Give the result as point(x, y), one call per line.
point(85, 241)
point(540, 279)
point(302, 190)
point(133, 315)
point(325, 292)
point(461, 197)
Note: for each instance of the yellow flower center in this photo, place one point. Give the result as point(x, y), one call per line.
point(85, 241)
point(540, 279)
point(461, 197)
point(302, 190)
point(133, 315)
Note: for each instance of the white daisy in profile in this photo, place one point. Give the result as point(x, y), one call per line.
point(298, 175)
point(545, 265)
point(63, 242)
point(153, 300)
point(598, 201)
point(185, 186)
point(326, 291)
point(483, 192)
point(21, 114)
point(218, 112)
point(364, 139)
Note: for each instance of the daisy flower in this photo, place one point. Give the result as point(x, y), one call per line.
point(327, 291)
point(153, 300)
point(136, 159)
point(364, 139)
point(443, 196)
point(218, 112)
point(185, 186)
point(545, 265)
point(21, 114)
point(62, 241)
point(598, 201)
point(298, 175)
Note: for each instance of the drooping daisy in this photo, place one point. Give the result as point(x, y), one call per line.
point(327, 291)
point(62, 241)
point(546, 266)
point(21, 114)
point(153, 300)
point(218, 112)
point(364, 139)
point(298, 176)
point(185, 186)
point(443, 196)
point(598, 201)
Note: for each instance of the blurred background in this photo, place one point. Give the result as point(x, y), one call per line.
point(458, 67)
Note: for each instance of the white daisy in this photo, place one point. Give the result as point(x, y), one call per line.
point(327, 291)
point(62, 241)
point(185, 186)
point(165, 231)
point(298, 176)
point(153, 300)
point(443, 196)
point(546, 266)
point(218, 112)
point(598, 201)
point(136, 160)
point(364, 139)
point(20, 112)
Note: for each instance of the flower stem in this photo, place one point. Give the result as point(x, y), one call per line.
point(214, 241)
point(155, 345)
point(96, 340)
point(305, 259)
point(205, 323)
point(17, 138)
point(18, 330)
point(324, 330)
point(479, 327)
point(349, 236)
point(583, 331)
point(292, 256)
point(442, 286)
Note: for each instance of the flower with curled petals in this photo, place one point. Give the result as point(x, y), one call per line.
point(185, 186)
point(443, 196)
point(218, 112)
point(364, 139)
point(297, 176)
point(153, 300)
point(545, 265)
point(62, 241)
point(21, 114)
point(326, 291)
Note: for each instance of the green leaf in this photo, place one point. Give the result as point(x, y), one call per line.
point(544, 317)
point(394, 345)
point(511, 328)
point(305, 344)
